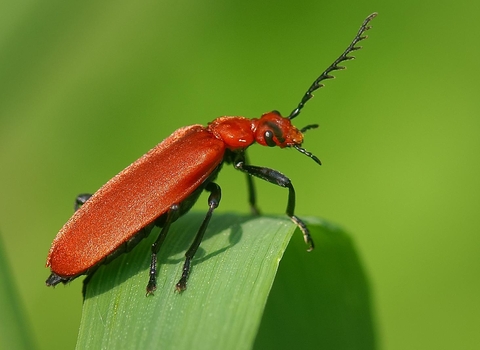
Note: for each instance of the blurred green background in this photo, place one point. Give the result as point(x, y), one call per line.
point(88, 87)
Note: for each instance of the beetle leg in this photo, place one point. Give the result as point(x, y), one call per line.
point(55, 279)
point(80, 200)
point(172, 214)
point(213, 202)
point(279, 179)
point(252, 195)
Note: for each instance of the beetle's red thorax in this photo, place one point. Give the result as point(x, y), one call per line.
point(236, 132)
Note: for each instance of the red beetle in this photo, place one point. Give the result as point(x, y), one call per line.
point(165, 183)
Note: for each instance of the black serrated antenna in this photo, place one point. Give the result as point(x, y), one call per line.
point(335, 65)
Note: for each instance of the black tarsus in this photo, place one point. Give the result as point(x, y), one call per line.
point(335, 65)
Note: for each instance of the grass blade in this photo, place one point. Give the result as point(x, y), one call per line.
point(231, 279)
point(15, 332)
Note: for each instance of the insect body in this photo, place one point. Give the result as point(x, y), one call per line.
point(164, 184)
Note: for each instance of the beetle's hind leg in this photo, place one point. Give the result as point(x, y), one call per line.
point(213, 202)
point(171, 216)
point(80, 200)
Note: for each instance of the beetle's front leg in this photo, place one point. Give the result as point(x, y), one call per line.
point(277, 178)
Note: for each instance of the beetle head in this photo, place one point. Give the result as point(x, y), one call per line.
point(271, 129)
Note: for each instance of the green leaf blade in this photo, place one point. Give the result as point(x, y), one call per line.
point(230, 283)
point(231, 277)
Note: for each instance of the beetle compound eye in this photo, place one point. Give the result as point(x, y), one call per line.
point(274, 130)
point(268, 136)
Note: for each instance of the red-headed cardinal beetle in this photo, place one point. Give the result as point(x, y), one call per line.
point(164, 184)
